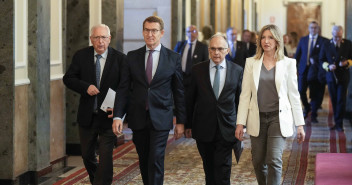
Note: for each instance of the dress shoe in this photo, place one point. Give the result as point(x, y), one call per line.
point(314, 120)
point(337, 128)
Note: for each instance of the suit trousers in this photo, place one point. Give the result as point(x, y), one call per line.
point(302, 88)
point(316, 94)
point(338, 93)
point(99, 173)
point(150, 145)
point(267, 149)
point(217, 159)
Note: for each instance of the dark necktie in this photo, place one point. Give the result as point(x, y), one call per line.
point(189, 59)
point(97, 78)
point(337, 48)
point(311, 46)
point(233, 50)
point(216, 83)
point(149, 68)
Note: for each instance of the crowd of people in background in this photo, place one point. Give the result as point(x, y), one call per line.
point(216, 88)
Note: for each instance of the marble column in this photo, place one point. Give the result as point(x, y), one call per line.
point(39, 88)
point(120, 9)
point(109, 17)
point(174, 22)
point(348, 33)
point(212, 14)
point(7, 90)
point(194, 12)
point(77, 37)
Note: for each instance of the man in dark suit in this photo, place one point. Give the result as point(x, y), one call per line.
point(92, 72)
point(307, 56)
point(211, 110)
point(250, 46)
point(336, 58)
point(151, 81)
point(238, 50)
point(199, 53)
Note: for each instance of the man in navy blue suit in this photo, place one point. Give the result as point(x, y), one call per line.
point(151, 81)
point(238, 50)
point(336, 57)
point(307, 56)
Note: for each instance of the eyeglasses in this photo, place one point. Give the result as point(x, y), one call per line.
point(217, 49)
point(105, 38)
point(193, 31)
point(153, 31)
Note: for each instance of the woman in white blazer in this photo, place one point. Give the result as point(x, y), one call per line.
point(269, 105)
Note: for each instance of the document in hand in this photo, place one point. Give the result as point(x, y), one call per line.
point(109, 100)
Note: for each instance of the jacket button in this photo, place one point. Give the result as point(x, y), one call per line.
point(280, 110)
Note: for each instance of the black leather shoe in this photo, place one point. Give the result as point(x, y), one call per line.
point(333, 128)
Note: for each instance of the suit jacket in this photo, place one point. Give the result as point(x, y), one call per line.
point(81, 74)
point(200, 54)
point(241, 54)
point(330, 55)
point(251, 50)
point(290, 110)
point(165, 87)
point(205, 112)
point(302, 54)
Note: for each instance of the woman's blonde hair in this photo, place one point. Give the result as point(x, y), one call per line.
point(279, 53)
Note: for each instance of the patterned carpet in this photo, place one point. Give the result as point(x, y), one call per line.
point(183, 164)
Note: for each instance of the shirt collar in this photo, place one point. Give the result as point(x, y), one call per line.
point(222, 64)
point(104, 55)
point(313, 36)
point(193, 43)
point(158, 48)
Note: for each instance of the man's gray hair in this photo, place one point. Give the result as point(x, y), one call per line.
point(100, 25)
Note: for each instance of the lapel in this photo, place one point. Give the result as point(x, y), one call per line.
point(161, 64)
point(91, 65)
point(279, 73)
point(140, 63)
point(257, 65)
point(207, 77)
point(333, 47)
point(107, 67)
point(183, 46)
point(227, 78)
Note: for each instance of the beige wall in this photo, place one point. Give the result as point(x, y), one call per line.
point(57, 120)
point(21, 130)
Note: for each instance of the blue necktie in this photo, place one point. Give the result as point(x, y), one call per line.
point(97, 78)
point(216, 83)
point(233, 50)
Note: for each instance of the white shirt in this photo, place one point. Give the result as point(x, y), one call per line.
point(185, 53)
point(212, 70)
point(156, 56)
point(102, 61)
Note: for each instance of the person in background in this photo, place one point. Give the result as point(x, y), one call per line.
point(250, 47)
point(292, 44)
point(269, 105)
point(207, 32)
point(211, 110)
point(151, 81)
point(336, 58)
point(307, 56)
point(192, 52)
point(92, 72)
point(238, 51)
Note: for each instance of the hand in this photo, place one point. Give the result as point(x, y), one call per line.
point(332, 67)
point(343, 63)
point(188, 133)
point(311, 60)
point(179, 130)
point(117, 126)
point(239, 132)
point(108, 110)
point(300, 134)
point(92, 90)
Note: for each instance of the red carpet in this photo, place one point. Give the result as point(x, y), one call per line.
point(333, 168)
